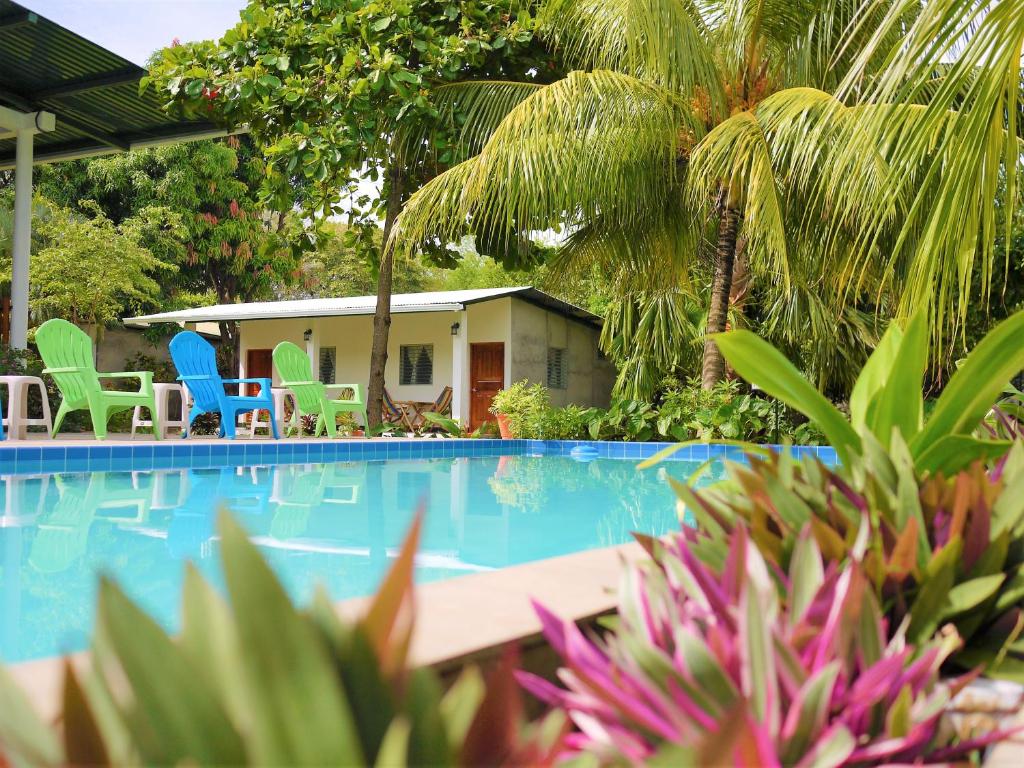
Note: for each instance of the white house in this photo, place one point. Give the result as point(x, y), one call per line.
point(475, 341)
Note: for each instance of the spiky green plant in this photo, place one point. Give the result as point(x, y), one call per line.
point(887, 402)
point(940, 507)
point(254, 681)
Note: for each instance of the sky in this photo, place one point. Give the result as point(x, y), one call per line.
point(136, 28)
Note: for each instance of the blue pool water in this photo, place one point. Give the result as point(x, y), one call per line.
point(336, 523)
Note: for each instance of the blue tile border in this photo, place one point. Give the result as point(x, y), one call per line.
point(20, 459)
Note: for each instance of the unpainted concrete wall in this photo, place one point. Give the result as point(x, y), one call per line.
point(118, 344)
point(534, 330)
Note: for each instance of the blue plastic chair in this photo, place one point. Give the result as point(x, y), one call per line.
point(196, 361)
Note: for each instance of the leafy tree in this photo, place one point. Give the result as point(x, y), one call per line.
point(88, 270)
point(225, 241)
point(338, 90)
point(709, 134)
point(340, 267)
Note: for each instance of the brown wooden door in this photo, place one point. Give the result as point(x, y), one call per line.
point(259, 364)
point(486, 378)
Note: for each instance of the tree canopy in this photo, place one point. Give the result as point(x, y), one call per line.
point(87, 269)
point(343, 90)
point(771, 138)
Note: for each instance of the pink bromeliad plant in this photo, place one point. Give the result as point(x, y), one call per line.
point(743, 664)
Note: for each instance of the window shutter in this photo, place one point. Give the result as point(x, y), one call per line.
point(328, 358)
point(416, 364)
point(558, 373)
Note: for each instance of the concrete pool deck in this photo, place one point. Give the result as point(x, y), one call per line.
point(460, 620)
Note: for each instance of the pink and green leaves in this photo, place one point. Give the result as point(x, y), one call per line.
point(746, 664)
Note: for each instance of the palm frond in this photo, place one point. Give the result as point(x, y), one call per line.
point(954, 169)
point(655, 254)
point(736, 157)
point(467, 111)
point(594, 145)
point(650, 336)
point(665, 42)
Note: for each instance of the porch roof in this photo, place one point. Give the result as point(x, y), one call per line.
point(94, 93)
point(434, 301)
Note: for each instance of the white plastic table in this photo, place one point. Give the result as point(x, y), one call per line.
point(280, 394)
point(162, 394)
point(16, 418)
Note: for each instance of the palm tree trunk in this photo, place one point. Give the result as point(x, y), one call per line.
point(713, 370)
point(382, 314)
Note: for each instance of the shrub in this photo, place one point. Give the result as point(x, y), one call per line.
point(684, 413)
point(712, 666)
point(935, 549)
point(523, 404)
point(936, 512)
point(887, 404)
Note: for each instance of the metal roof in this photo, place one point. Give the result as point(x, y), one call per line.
point(435, 301)
point(93, 92)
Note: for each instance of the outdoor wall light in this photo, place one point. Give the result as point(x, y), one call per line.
point(455, 329)
point(307, 334)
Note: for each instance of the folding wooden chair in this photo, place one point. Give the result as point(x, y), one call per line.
point(396, 413)
point(442, 405)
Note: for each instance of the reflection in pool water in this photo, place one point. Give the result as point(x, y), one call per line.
point(336, 524)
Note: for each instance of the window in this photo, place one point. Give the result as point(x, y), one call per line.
point(558, 368)
point(415, 364)
point(328, 358)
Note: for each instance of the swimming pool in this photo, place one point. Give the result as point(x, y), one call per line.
point(338, 523)
point(331, 513)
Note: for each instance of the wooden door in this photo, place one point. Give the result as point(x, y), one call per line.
point(486, 378)
point(259, 364)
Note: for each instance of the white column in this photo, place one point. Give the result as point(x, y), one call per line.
point(460, 370)
point(22, 238)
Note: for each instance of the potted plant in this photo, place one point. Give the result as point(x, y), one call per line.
point(514, 406)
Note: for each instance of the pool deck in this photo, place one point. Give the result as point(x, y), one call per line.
point(458, 620)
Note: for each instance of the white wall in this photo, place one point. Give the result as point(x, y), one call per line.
point(526, 330)
point(492, 321)
point(352, 338)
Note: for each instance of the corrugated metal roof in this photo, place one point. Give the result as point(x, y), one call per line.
point(93, 92)
point(435, 301)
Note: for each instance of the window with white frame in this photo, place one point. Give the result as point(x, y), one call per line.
point(415, 364)
point(558, 368)
point(328, 364)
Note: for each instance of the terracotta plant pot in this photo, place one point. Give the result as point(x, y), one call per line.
point(503, 428)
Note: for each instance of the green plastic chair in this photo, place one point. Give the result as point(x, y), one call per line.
point(296, 374)
point(67, 352)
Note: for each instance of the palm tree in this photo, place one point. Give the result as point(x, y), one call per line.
point(804, 135)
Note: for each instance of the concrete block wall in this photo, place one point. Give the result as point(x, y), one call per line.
point(535, 329)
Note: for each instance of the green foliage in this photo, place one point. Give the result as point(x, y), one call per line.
point(682, 413)
point(886, 406)
point(936, 549)
point(522, 403)
point(340, 265)
point(254, 681)
point(193, 205)
point(87, 269)
point(326, 91)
